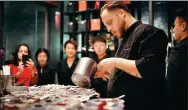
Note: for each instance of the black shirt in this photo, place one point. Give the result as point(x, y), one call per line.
point(94, 56)
point(177, 76)
point(8, 62)
point(99, 84)
point(47, 76)
point(65, 73)
point(147, 45)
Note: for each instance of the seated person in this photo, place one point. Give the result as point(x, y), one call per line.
point(26, 74)
point(66, 67)
point(99, 84)
point(46, 74)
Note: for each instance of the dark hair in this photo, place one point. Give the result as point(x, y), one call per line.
point(13, 54)
point(73, 42)
point(16, 53)
point(39, 50)
point(115, 5)
point(98, 39)
point(182, 14)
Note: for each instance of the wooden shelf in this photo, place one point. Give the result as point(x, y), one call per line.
point(95, 31)
point(55, 3)
point(103, 30)
point(68, 13)
point(94, 10)
point(84, 15)
point(84, 11)
point(81, 12)
point(67, 32)
point(80, 32)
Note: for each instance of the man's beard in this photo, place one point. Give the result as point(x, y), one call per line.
point(121, 28)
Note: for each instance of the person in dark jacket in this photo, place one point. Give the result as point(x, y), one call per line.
point(11, 60)
point(46, 74)
point(177, 64)
point(66, 67)
point(138, 69)
point(99, 46)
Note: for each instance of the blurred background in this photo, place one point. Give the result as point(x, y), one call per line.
point(50, 24)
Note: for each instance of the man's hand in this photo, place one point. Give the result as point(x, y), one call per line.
point(107, 65)
point(102, 74)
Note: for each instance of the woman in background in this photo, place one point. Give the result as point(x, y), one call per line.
point(46, 74)
point(26, 74)
point(66, 67)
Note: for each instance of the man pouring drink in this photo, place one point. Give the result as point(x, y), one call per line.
point(138, 69)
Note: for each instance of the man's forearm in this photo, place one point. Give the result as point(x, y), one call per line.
point(128, 66)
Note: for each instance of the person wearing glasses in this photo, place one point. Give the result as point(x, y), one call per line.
point(177, 64)
point(138, 69)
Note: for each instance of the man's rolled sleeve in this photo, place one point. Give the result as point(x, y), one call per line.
point(151, 66)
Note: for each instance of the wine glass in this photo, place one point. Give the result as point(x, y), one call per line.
point(1, 85)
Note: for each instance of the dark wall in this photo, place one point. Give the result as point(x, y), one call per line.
point(24, 23)
point(54, 38)
point(31, 23)
point(1, 22)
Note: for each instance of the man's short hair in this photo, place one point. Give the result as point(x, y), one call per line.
point(98, 39)
point(182, 14)
point(115, 5)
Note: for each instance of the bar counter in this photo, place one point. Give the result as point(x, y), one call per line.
point(57, 97)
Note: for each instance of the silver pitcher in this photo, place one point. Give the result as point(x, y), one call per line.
point(83, 72)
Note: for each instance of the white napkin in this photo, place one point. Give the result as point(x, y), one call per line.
point(6, 70)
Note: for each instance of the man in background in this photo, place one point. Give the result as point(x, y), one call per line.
point(177, 64)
